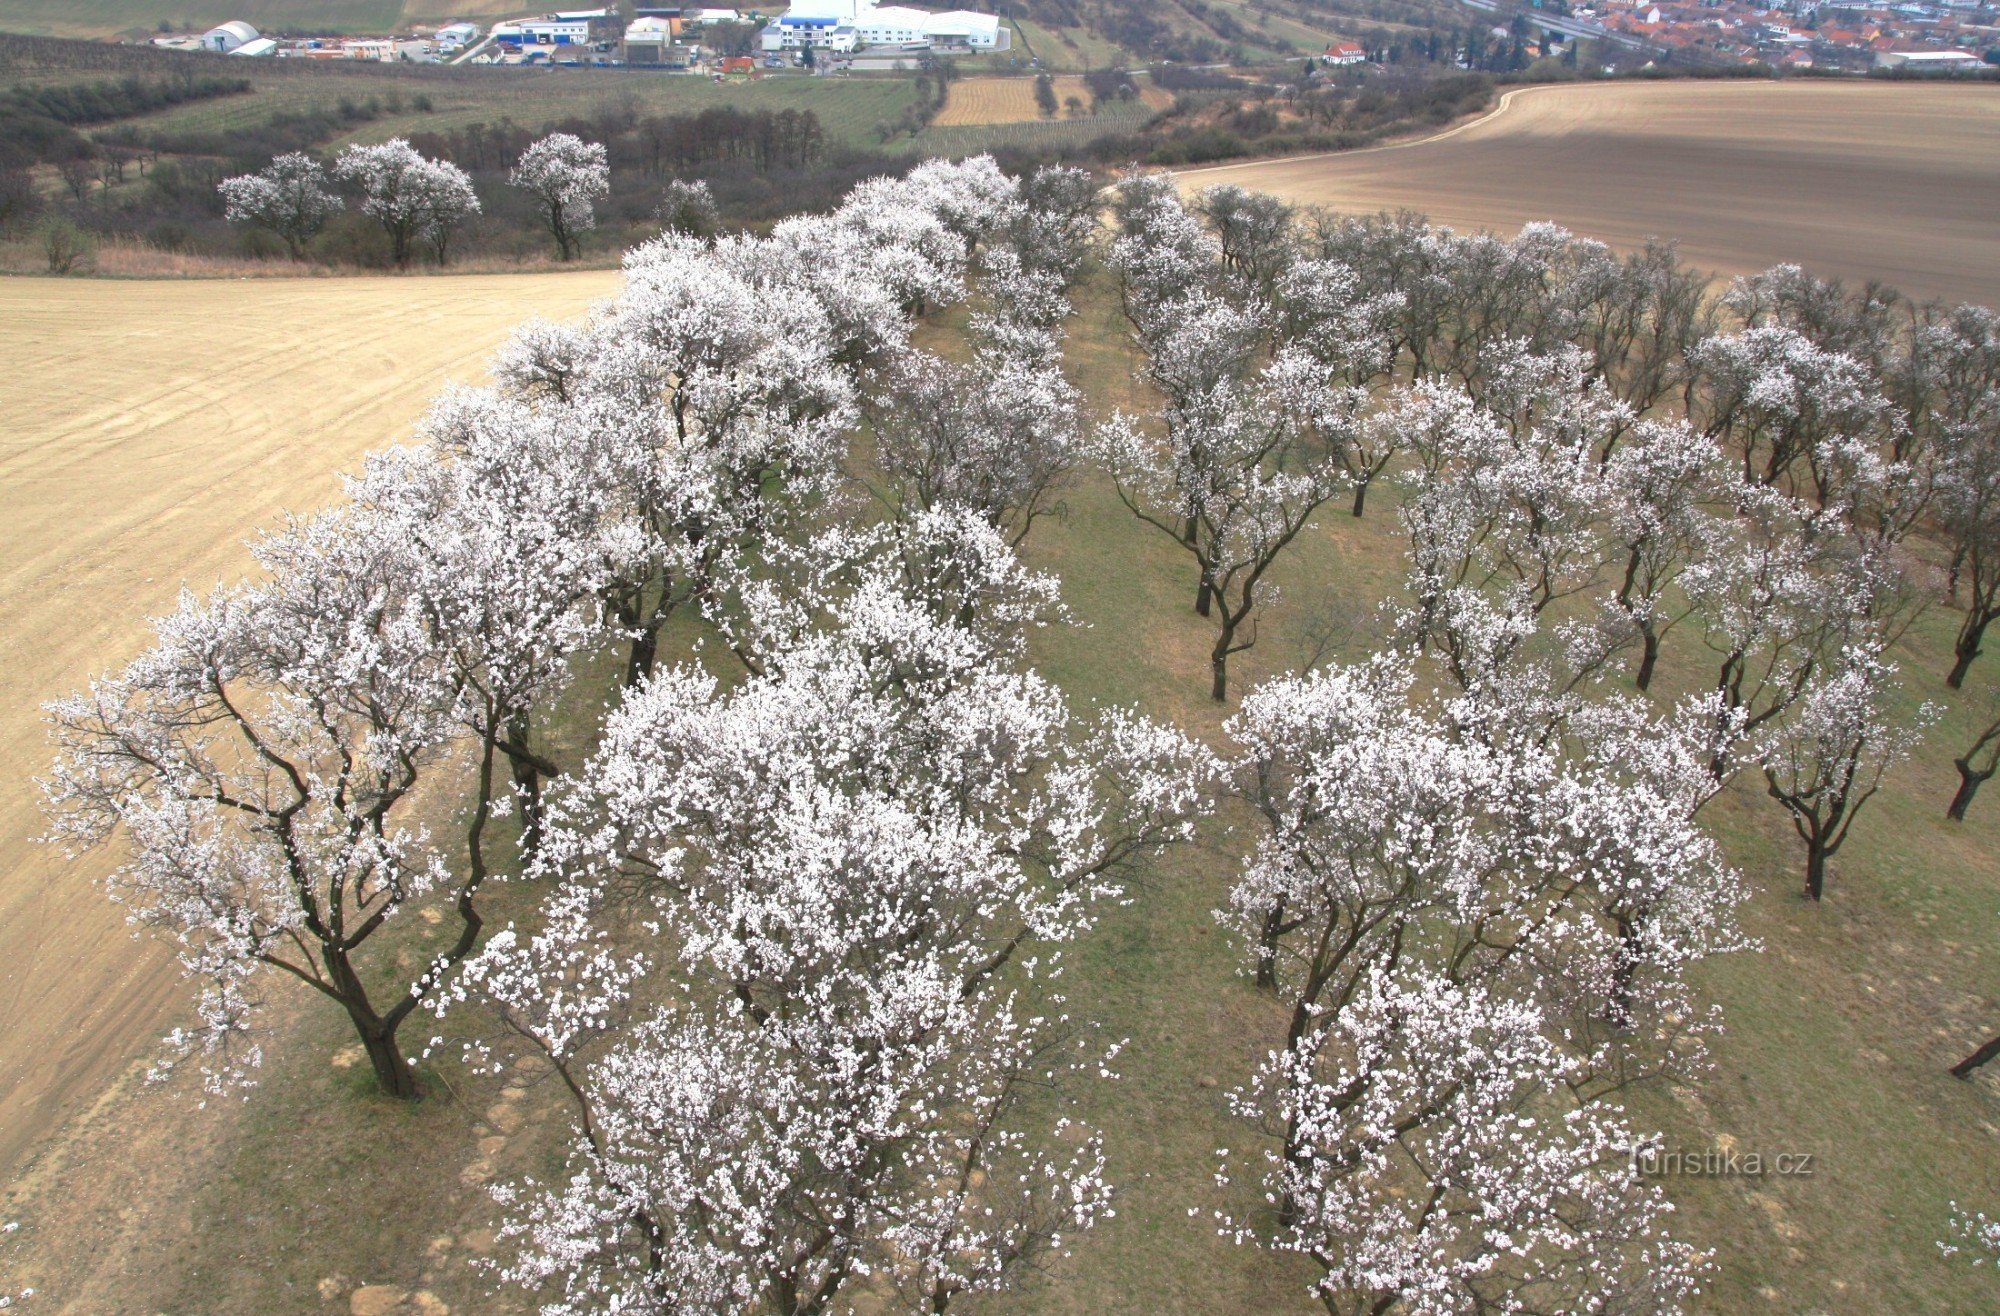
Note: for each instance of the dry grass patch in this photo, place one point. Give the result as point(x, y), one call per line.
point(978, 101)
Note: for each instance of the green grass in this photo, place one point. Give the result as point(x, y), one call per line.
point(1068, 49)
point(1839, 1032)
point(971, 138)
point(848, 109)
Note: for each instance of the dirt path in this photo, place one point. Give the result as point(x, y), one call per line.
point(149, 428)
point(1899, 182)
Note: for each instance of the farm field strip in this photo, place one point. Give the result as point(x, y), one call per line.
point(1002, 100)
point(171, 420)
point(970, 139)
point(1892, 182)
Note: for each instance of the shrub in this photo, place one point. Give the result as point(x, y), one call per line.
point(67, 247)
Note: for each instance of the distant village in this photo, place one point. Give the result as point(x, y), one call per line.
point(811, 33)
point(1946, 36)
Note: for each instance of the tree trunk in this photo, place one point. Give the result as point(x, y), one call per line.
point(1964, 1068)
point(1267, 945)
point(1649, 657)
point(1815, 868)
point(1618, 1009)
point(1969, 781)
point(645, 650)
point(1360, 495)
point(527, 787)
point(392, 1069)
point(1218, 662)
point(1967, 649)
point(1204, 598)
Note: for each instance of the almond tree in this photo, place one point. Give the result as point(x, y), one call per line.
point(719, 411)
point(1055, 224)
point(1253, 230)
point(288, 197)
point(1325, 316)
point(1396, 256)
point(1659, 486)
point(509, 515)
point(413, 198)
point(1242, 469)
point(1476, 945)
point(448, 200)
point(1969, 511)
point(1859, 325)
point(1254, 444)
point(1445, 1172)
point(260, 759)
point(688, 209)
point(799, 970)
point(567, 176)
point(259, 762)
point(1000, 437)
point(1641, 328)
point(1828, 759)
point(1508, 498)
point(1778, 598)
point(1774, 398)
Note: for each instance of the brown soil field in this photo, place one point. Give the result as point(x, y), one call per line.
point(1898, 182)
point(151, 427)
point(1002, 100)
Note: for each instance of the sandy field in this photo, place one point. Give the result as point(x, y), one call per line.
point(1897, 182)
point(1003, 100)
point(149, 428)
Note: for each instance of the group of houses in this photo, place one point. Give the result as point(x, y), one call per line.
point(1949, 35)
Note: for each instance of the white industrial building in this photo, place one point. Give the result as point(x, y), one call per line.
point(968, 28)
point(1929, 61)
point(568, 29)
point(844, 25)
point(891, 25)
point(454, 35)
point(647, 40)
point(228, 36)
point(262, 47)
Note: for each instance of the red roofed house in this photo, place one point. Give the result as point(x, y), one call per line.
point(1345, 52)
